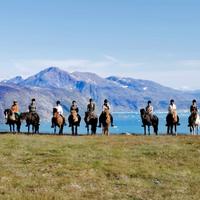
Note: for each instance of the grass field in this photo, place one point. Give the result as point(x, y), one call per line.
point(86, 167)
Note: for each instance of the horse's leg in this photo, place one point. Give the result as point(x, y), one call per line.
point(94, 129)
point(88, 129)
point(103, 131)
point(72, 129)
point(76, 130)
point(167, 130)
point(149, 130)
point(28, 128)
point(54, 129)
point(171, 129)
point(61, 129)
point(175, 128)
point(144, 129)
point(108, 131)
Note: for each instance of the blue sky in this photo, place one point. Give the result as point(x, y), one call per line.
point(148, 39)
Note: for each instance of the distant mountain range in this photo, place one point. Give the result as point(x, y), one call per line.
point(52, 84)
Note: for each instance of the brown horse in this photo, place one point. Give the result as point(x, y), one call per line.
point(74, 120)
point(57, 120)
point(105, 121)
point(12, 120)
point(33, 119)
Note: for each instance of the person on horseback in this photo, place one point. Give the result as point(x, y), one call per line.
point(91, 106)
point(73, 108)
point(32, 106)
point(172, 111)
point(90, 111)
point(32, 109)
point(106, 106)
point(149, 109)
point(172, 107)
point(58, 108)
point(15, 110)
point(193, 111)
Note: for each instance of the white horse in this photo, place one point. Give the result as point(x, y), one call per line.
point(195, 122)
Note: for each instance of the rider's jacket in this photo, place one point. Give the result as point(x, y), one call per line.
point(91, 107)
point(59, 109)
point(172, 108)
point(106, 105)
point(193, 108)
point(74, 107)
point(15, 108)
point(32, 107)
point(149, 110)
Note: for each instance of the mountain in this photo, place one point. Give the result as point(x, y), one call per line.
point(124, 94)
point(14, 80)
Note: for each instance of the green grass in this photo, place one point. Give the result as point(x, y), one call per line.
point(86, 167)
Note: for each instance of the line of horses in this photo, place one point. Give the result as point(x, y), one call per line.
point(32, 119)
point(91, 121)
point(171, 122)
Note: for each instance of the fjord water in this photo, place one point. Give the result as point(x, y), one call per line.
point(127, 122)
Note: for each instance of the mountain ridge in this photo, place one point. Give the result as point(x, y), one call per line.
point(124, 93)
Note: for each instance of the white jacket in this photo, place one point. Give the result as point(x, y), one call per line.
point(59, 109)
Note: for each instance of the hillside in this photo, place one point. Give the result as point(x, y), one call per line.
point(96, 168)
point(51, 84)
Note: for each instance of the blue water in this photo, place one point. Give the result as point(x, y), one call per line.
point(124, 123)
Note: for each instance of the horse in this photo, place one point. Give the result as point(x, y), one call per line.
point(149, 121)
point(31, 119)
point(12, 120)
point(57, 120)
point(105, 120)
point(74, 120)
point(91, 119)
point(194, 122)
point(172, 120)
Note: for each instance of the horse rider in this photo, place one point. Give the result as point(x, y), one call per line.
point(58, 108)
point(32, 106)
point(172, 110)
point(14, 109)
point(90, 111)
point(91, 106)
point(105, 106)
point(74, 107)
point(32, 109)
point(149, 109)
point(193, 111)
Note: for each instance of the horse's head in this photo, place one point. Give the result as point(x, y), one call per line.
point(24, 115)
point(142, 112)
point(7, 112)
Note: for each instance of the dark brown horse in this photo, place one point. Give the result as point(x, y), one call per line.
point(12, 120)
point(74, 120)
point(91, 119)
point(149, 121)
point(57, 121)
point(172, 121)
point(33, 119)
